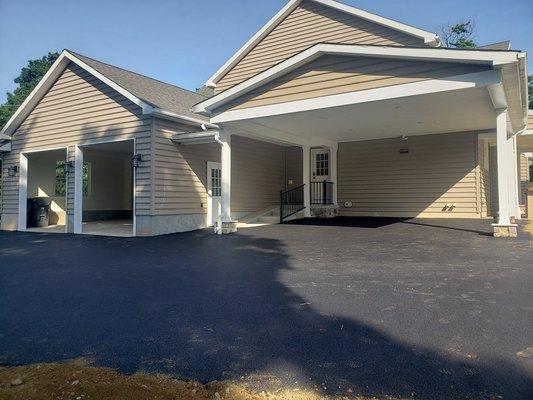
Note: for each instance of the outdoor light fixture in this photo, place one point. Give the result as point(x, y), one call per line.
point(136, 160)
point(404, 138)
point(12, 171)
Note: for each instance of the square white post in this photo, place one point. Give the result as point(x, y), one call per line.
point(306, 175)
point(504, 152)
point(78, 190)
point(514, 201)
point(333, 171)
point(227, 225)
point(23, 192)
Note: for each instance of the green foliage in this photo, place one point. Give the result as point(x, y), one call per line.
point(29, 78)
point(61, 179)
point(530, 91)
point(459, 35)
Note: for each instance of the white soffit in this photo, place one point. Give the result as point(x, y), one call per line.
point(429, 38)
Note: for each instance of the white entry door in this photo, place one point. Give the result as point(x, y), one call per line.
point(214, 192)
point(319, 165)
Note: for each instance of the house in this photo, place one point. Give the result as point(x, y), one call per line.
point(327, 110)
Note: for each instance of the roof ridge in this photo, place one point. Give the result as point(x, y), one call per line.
point(137, 73)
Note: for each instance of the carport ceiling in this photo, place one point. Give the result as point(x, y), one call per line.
point(458, 111)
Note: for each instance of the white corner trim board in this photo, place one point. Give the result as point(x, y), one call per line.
point(429, 38)
point(477, 79)
point(422, 54)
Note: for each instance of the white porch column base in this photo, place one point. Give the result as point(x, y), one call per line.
point(504, 150)
point(227, 225)
point(306, 175)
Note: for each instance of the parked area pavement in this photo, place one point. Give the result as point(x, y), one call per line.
point(426, 309)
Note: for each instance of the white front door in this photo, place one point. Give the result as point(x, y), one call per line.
point(214, 192)
point(319, 165)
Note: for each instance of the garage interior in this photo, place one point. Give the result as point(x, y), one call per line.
point(47, 180)
point(107, 204)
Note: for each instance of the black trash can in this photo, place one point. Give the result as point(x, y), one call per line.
point(39, 212)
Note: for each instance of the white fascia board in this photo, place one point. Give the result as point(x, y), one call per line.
point(254, 40)
point(49, 79)
point(157, 112)
point(429, 38)
point(421, 54)
point(459, 82)
point(4, 137)
point(196, 137)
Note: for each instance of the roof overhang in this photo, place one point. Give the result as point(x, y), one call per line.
point(430, 38)
point(191, 138)
point(53, 74)
point(491, 58)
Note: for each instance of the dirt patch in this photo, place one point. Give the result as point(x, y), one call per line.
point(76, 380)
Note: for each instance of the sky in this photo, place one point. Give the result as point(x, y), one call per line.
point(184, 42)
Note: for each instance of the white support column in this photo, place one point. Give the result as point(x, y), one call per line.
point(23, 192)
point(514, 201)
point(227, 225)
point(333, 170)
point(504, 151)
point(306, 175)
point(78, 189)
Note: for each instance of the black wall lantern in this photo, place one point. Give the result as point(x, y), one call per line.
point(136, 160)
point(69, 167)
point(13, 170)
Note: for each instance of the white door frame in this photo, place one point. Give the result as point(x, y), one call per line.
point(314, 152)
point(23, 186)
point(210, 165)
point(78, 181)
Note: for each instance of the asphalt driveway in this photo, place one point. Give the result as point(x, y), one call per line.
point(416, 308)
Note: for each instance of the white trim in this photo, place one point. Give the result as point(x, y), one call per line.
point(78, 181)
point(497, 95)
point(225, 165)
point(210, 165)
point(195, 137)
point(158, 112)
point(4, 137)
point(5, 148)
point(306, 177)
point(491, 58)
point(477, 79)
point(428, 37)
point(23, 192)
point(53, 74)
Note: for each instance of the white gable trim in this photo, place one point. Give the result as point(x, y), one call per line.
point(429, 38)
point(422, 54)
point(50, 78)
point(458, 82)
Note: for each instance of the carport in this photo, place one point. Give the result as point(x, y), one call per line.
point(104, 188)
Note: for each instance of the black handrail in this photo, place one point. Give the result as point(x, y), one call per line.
point(290, 202)
point(322, 193)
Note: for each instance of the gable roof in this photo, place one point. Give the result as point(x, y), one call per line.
point(485, 57)
point(431, 39)
point(153, 96)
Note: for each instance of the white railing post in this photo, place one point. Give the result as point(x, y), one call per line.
point(306, 175)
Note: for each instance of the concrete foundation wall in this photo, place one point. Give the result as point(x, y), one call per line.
point(166, 224)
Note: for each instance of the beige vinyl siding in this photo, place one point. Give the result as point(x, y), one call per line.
point(257, 174)
point(530, 122)
point(78, 109)
point(180, 172)
point(493, 162)
point(311, 23)
point(294, 165)
point(483, 178)
point(524, 178)
point(438, 170)
point(330, 75)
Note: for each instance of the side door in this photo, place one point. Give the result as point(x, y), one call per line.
point(214, 192)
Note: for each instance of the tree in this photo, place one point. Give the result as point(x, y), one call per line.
point(29, 78)
point(459, 35)
point(530, 91)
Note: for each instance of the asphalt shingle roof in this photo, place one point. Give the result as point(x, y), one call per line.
point(156, 93)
